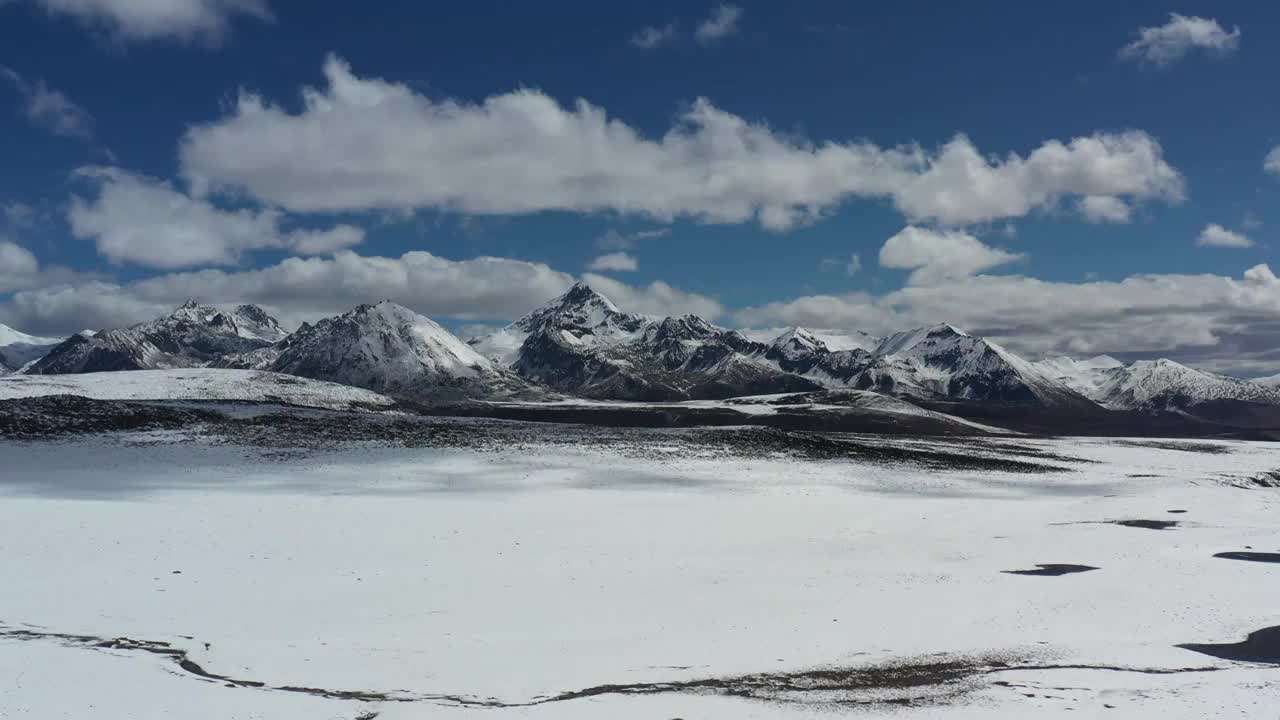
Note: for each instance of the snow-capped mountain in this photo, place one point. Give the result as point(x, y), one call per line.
point(589, 317)
point(389, 349)
point(583, 344)
point(943, 363)
point(193, 335)
point(17, 349)
point(1084, 376)
point(805, 353)
point(1167, 385)
point(1269, 381)
point(1155, 385)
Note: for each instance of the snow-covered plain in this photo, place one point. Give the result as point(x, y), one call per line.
point(444, 577)
point(193, 384)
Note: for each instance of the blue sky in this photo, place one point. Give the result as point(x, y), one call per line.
point(115, 112)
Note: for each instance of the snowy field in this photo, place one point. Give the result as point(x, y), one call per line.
point(157, 575)
point(193, 384)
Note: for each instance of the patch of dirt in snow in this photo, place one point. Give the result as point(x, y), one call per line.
point(1196, 447)
point(1262, 646)
point(1250, 556)
point(1052, 570)
point(1266, 480)
point(55, 415)
point(1135, 523)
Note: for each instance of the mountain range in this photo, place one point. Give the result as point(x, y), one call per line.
point(193, 335)
point(581, 345)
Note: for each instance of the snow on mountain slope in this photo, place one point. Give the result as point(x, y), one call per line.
point(834, 339)
point(838, 340)
point(798, 343)
point(17, 348)
point(1084, 376)
point(581, 317)
point(583, 344)
point(807, 354)
point(391, 349)
point(193, 335)
point(940, 362)
point(1170, 386)
point(1269, 381)
point(193, 384)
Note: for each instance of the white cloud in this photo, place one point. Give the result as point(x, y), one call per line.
point(652, 37)
point(49, 108)
point(17, 266)
point(1271, 163)
point(656, 298)
point(365, 143)
point(722, 23)
point(187, 20)
point(19, 214)
point(614, 240)
point(137, 219)
point(1214, 320)
point(307, 289)
point(1104, 208)
point(324, 242)
point(851, 266)
point(936, 255)
point(1215, 235)
point(19, 269)
point(302, 289)
point(1170, 42)
point(616, 262)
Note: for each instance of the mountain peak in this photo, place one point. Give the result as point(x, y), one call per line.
point(908, 339)
point(799, 335)
point(583, 294)
point(946, 329)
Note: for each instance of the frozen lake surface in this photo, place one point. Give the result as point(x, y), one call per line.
point(168, 574)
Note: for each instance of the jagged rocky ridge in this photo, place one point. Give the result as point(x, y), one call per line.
point(193, 335)
point(582, 344)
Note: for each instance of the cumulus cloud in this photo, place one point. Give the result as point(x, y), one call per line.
point(656, 298)
point(652, 37)
point(615, 262)
point(366, 143)
point(19, 214)
point(1271, 163)
point(722, 23)
point(1168, 43)
point(185, 20)
point(850, 266)
point(1215, 235)
point(935, 255)
point(1104, 208)
point(307, 289)
point(614, 240)
point(1219, 322)
point(49, 108)
point(137, 219)
point(19, 269)
point(17, 266)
